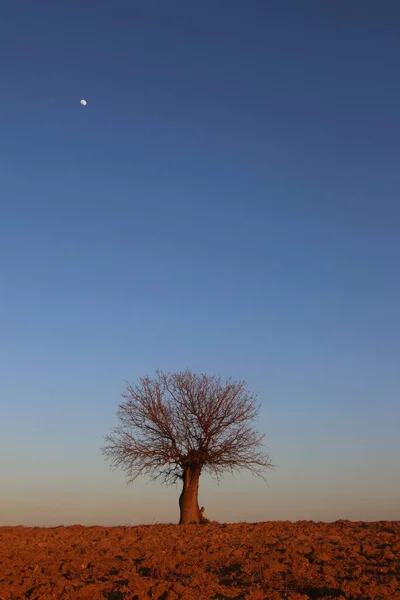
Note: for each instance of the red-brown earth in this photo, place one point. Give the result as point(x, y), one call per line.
point(261, 561)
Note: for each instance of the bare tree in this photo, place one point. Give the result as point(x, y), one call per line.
point(178, 425)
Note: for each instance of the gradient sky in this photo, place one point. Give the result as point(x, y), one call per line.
point(227, 201)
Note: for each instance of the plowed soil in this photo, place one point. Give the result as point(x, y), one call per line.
point(261, 561)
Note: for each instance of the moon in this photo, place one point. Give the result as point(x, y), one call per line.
point(83, 102)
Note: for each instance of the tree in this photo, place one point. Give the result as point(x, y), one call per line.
point(177, 425)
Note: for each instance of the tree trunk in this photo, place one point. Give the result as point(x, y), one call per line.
point(188, 500)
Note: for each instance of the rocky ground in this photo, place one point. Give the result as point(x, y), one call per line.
point(273, 560)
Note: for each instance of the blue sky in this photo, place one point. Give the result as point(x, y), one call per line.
point(227, 201)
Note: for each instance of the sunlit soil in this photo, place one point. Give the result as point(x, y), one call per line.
point(273, 560)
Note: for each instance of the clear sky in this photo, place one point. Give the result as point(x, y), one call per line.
point(227, 201)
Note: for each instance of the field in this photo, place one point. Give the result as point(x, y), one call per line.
point(272, 560)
